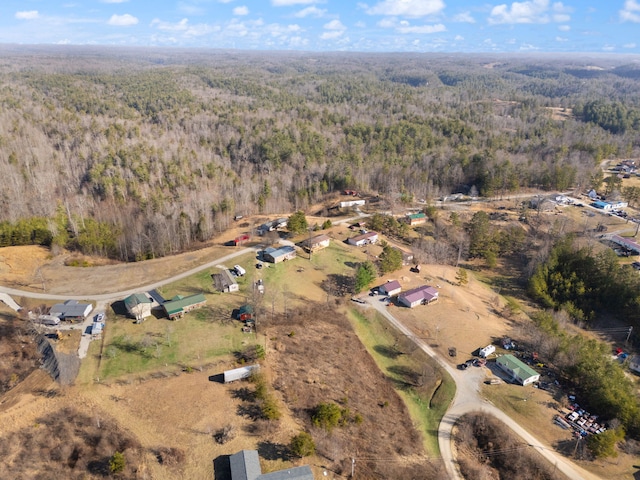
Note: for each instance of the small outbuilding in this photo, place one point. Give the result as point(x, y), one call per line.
point(138, 306)
point(634, 364)
point(245, 312)
point(519, 371)
point(423, 295)
point(277, 255)
point(71, 310)
point(179, 305)
point(486, 351)
point(240, 373)
point(390, 288)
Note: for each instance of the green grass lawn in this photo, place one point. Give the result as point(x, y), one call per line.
point(155, 344)
point(427, 404)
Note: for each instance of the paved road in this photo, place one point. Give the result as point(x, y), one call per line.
point(467, 399)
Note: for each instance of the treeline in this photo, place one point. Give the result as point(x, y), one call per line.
point(585, 284)
point(577, 285)
point(165, 151)
point(615, 117)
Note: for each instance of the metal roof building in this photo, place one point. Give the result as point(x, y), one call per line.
point(245, 465)
point(240, 373)
point(71, 309)
point(179, 305)
point(277, 255)
point(418, 296)
point(138, 305)
point(519, 371)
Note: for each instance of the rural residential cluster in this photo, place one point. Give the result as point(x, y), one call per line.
point(247, 267)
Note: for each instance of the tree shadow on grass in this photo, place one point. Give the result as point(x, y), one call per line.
point(244, 394)
point(408, 376)
point(274, 451)
point(251, 411)
point(387, 351)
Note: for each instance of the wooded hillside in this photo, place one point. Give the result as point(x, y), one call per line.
point(140, 153)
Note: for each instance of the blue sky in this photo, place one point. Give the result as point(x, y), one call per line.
point(330, 25)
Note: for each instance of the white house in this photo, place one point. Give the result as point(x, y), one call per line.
point(363, 239)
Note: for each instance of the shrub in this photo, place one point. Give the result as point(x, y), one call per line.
point(327, 416)
point(117, 463)
point(302, 445)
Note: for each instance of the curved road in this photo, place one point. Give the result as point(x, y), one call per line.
point(467, 399)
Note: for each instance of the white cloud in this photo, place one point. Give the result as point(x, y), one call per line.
point(334, 29)
point(310, 12)
point(530, 11)
point(464, 17)
point(609, 48)
point(528, 47)
point(422, 29)
point(387, 23)
point(564, 28)
point(630, 12)
point(561, 39)
point(27, 15)
point(189, 9)
point(458, 38)
point(331, 35)
point(334, 25)
point(125, 20)
point(286, 3)
point(629, 45)
point(243, 10)
point(407, 8)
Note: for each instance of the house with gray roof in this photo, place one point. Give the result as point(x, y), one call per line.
point(245, 465)
point(71, 310)
point(277, 255)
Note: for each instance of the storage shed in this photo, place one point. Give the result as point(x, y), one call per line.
point(179, 305)
point(519, 371)
point(486, 351)
point(415, 219)
point(392, 287)
point(240, 373)
point(634, 364)
point(423, 295)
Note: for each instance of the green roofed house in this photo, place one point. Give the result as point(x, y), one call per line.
point(138, 306)
point(519, 371)
point(416, 219)
point(179, 305)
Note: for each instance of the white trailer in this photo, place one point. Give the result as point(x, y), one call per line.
point(486, 351)
point(240, 373)
point(239, 270)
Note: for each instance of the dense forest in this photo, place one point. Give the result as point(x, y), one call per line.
point(135, 154)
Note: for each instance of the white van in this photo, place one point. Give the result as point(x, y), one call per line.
point(239, 270)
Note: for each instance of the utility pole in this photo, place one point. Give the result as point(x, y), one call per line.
point(353, 467)
point(629, 334)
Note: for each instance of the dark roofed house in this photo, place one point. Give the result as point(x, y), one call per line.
point(245, 465)
point(223, 281)
point(418, 296)
point(179, 305)
point(277, 255)
point(71, 310)
point(316, 243)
